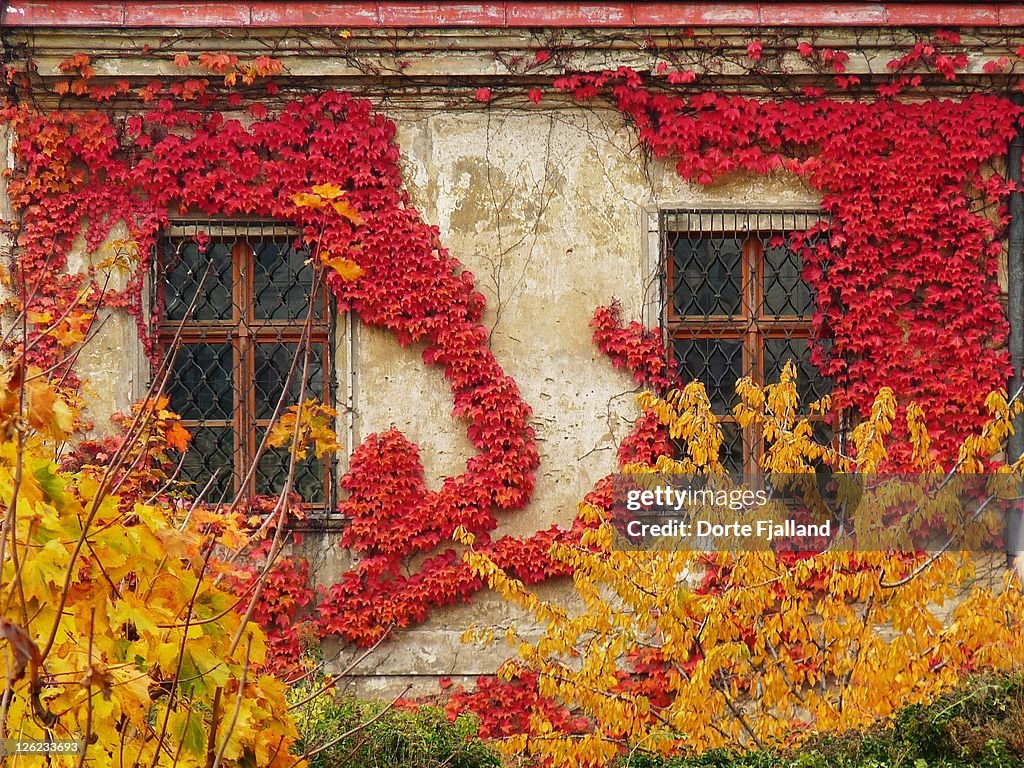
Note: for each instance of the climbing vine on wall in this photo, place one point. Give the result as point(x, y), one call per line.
point(908, 297)
point(87, 169)
point(906, 274)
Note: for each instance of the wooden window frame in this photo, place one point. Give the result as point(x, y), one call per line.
point(244, 332)
point(751, 325)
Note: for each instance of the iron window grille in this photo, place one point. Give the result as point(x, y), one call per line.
point(250, 288)
point(736, 305)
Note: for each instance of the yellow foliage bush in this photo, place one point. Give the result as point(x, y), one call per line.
point(112, 631)
point(684, 651)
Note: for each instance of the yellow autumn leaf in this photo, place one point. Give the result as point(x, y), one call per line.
point(130, 609)
point(43, 571)
point(342, 208)
point(187, 728)
point(306, 200)
point(346, 268)
point(39, 318)
point(316, 429)
point(328, 191)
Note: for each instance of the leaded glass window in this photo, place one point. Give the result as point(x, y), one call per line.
point(737, 306)
point(239, 354)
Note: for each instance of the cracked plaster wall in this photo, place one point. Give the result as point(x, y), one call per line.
point(548, 207)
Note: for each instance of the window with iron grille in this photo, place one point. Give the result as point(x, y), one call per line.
point(737, 306)
point(237, 299)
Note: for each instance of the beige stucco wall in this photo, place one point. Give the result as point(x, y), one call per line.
point(550, 226)
point(548, 206)
point(111, 364)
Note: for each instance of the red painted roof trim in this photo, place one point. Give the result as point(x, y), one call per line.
point(510, 14)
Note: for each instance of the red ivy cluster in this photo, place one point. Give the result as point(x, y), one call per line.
point(633, 346)
point(387, 492)
point(906, 271)
point(505, 707)
point(83, 169)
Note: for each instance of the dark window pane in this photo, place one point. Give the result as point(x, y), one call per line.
point(201, 386)
point(210, 452)
point(731, 454)
point(273, 361)
point(810, 384)
point(718, 363)
point(186, 268)
point(708, 275)
point(823, 433)
point(273, 471)
point(785, 292)
point(206, 386)
point(282, 282)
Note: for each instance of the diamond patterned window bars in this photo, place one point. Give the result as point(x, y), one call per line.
point(236, 349)
point(737, 306)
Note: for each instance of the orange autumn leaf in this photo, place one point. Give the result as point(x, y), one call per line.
point(266, 66)
point(345, 268)
point(342, 208)
point(218, 62)
point(177, 437)
point(306, 200)
point(75, 62)
point(73, 329)
point(26, 394)
point(328, 191)
point(80, 63)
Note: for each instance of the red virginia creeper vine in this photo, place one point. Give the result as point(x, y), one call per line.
point(906, 276)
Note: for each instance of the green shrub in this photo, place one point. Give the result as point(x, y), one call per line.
point(980, 725)
point(387, 739)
